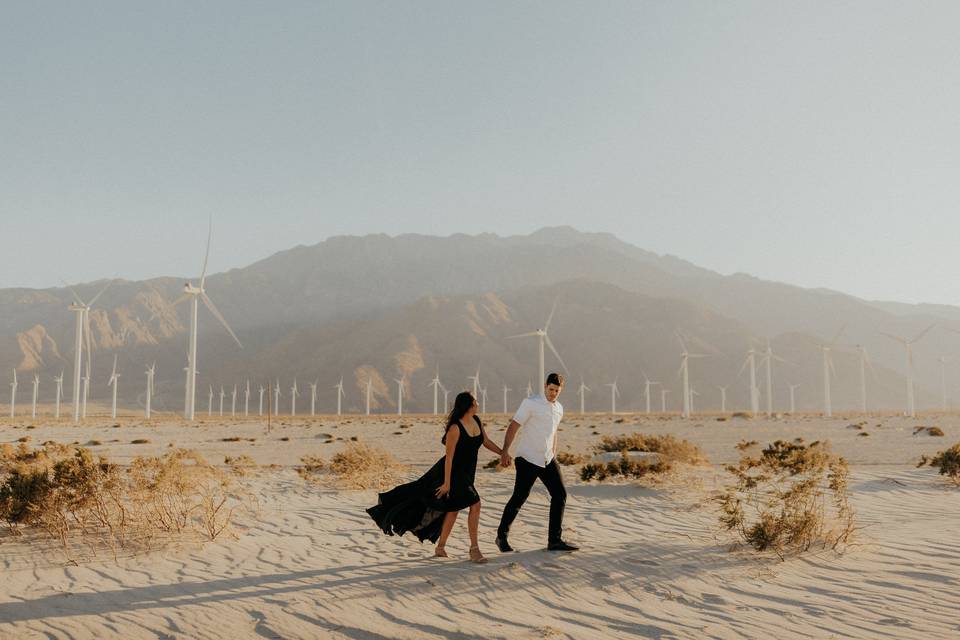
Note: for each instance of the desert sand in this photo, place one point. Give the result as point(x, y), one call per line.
point(653, 564)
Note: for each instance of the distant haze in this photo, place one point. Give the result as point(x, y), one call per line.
point(808, 143)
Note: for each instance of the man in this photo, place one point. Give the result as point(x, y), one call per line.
point(537, 421)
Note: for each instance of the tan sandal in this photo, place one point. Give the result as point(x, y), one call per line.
point(440, 552)
point(476, 556)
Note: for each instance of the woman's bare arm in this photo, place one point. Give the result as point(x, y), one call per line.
point(452, 436)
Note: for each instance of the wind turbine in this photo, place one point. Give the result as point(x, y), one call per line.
point(294, 394)
point(582, 391)
point(195, 294)
point(369, 386)
point(827, 369)
point(723, 399)
point(476, 382)
point(908, 352)
point(864, 363)
point(483, 403)
point(114, 382)
point(768, 358)
point(614, 392)
point(793, 404)
point(340, 394)
point(754, 390)
point(82, 309)
point(210, 402)
point(59, 381)
point(663, 400)
point(262, 390)
point(233, 402)
point(647, 384)
point(400, 395)
point(506, 390)
point(435, 383)
point(36, 388)
point(86, 388)
point(544, 339)
point(693, 392)
point(246, 400)
point(313, 397)
point(151, 372)
point(446, 395)
point(685, 373)
point(223, 394)
point(529, 389)
point(276, 397)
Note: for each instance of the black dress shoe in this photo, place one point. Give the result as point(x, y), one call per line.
point(503, 545)
point(560, 545)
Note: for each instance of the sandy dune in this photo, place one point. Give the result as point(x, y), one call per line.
point(312, 565)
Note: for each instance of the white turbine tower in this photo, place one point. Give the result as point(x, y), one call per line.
point(210, 402)
point(506, 407)
point(223, 394)
point(685, 373)
point(446, 396)
point(340, 395)
point(768, 357)
point(754, 390)
point(262, 391)
point(544, 339)
point(476, 383)
point(294, 394)
point(693, 392)
point(86, 388)
point(582, 392)
point(723, 399)
point(36, 389)
point(530, 389)
point(793, 403)
point(82, 309)
point(195, 294)
point(151, 373)
point(114, 382)
point(313, 397)
point(828, 368)
point(647, 383)
point(276, 398)
point(233, 402)
point(369, 387)
point(864, 363)
point(400, 395)
point(59, 381)
point(614, 392)
point(908, 352)
point(483, 404)
point(663, 400)
point(435, 383)
point(246, 399)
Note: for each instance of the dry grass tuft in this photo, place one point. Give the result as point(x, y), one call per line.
point(568, 459)
point(623, 468)
point(671, 449)
point(948, 461)
point(789, 498)
point(357, 466)
point(930, 431)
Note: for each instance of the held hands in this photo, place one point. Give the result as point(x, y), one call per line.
point(443, 490)
point(505, 459)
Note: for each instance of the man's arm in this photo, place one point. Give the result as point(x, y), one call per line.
point(505, 458)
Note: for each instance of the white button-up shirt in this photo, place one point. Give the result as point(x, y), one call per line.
point(538, 420)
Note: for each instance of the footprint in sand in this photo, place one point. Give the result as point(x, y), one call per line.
point(646, 563)
point(712, 598)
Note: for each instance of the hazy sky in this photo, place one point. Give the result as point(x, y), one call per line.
point(816, 143)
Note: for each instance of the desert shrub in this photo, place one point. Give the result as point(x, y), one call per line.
point(569, 459)
point(930, 431)
point(623, 468)
point(743, 445)
point(312, 467)
point(671, 449)
point(948, 462)
point(789, 498)
point(362, 466)
point(87, 504)
point(240, 465)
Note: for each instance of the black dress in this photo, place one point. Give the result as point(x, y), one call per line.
point(415, 507)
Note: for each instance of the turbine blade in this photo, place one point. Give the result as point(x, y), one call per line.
point(923, 333)
point(893, 337)
point(839, 333)
point(96, 297)
point(203, 272)
point(83, 304)
point(522, 335)
point(553, 349)
point(552, 311)
point(219, 316)
point(680, 338)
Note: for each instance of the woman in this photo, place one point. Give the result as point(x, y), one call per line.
point(429, 506)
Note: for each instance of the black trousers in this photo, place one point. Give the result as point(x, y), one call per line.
point(527, 474)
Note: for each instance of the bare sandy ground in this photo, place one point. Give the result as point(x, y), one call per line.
point(653, 564)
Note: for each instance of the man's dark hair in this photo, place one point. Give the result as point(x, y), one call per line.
point(555, 378)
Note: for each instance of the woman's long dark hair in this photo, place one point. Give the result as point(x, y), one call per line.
point(461, 404)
